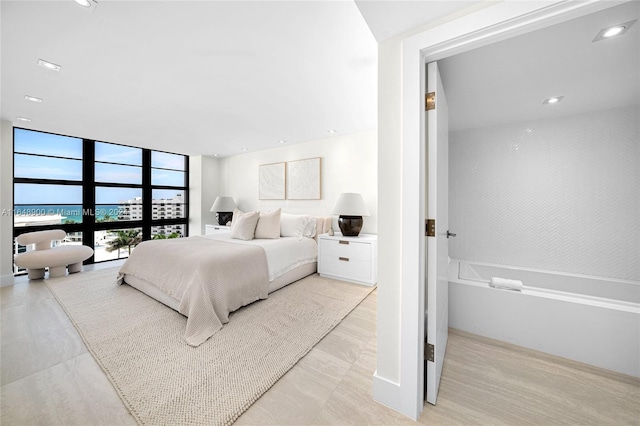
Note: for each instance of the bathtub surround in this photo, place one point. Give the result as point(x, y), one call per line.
point(505, 284)
point(558, 195)
point(553, 204)
point(588, 319)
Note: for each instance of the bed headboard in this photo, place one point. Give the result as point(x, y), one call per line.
point(323, 225)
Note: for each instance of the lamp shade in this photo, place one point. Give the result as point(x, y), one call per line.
point(223, 204)
point(350, 204)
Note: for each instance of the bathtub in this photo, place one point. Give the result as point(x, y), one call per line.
point(588, 319)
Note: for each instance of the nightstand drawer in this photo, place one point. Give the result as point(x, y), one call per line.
point(216, 229)
point(352, 259)
point(348, 268)
point(345, 248)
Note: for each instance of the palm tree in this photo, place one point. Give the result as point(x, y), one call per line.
point(106, 218)
point(125, 238)
point(165, 236)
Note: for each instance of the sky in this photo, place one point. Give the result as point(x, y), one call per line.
point(127, 171)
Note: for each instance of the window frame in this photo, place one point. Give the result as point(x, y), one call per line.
point(89, 226)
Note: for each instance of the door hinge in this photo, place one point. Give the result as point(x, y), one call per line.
point(429, 351)
point(430, 101)
point(430, 230)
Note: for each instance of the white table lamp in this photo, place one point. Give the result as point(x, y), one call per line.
point(224, 206)
point(351, 208)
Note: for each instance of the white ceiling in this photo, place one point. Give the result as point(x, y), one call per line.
point(507, 82)
point(204, 77)
point(213, 77)
point(390, 18)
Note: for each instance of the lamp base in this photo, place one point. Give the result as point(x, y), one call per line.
point(350, 226)
point(224, 217)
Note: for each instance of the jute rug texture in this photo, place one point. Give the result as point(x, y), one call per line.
point(139, 344)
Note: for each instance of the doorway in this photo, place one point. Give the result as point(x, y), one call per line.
point(495, 23)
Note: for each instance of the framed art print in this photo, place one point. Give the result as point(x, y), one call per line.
point(272, 181)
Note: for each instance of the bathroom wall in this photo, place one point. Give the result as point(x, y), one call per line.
point(561, 194)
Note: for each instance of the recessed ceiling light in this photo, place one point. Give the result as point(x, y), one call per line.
point(614, 31)
point(332, 131)
point(245, 149)
point(88, 5)
point(23, 119)
point(49, 65)
point(215, 155)
point(32, 99)
point(282, 141)
point(553, 100)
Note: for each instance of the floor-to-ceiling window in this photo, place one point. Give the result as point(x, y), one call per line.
point(106, 196)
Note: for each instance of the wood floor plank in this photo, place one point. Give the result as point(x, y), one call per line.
point(485, 381)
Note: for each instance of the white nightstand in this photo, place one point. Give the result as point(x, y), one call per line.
point(349, 258)
point(216, 229)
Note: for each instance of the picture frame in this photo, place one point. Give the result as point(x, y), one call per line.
point(272, 181)
point(304, 179)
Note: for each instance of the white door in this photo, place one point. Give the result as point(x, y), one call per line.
point(437, 264)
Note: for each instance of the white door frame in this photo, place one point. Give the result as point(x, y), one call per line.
point(495, 23)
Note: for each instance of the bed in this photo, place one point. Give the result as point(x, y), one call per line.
point(207, 278)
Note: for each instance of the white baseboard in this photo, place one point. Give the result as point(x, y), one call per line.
point(6, 280)
point(387, 393)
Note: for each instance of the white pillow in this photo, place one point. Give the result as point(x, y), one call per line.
point(243, 226)
point(268, 225)
point(310, 227)
point(298, 226)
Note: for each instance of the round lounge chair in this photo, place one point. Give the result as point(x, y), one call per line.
point(44, 256)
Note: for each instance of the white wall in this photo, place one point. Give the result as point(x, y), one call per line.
point(387, 386)
point(389, 190)
point(557, 194)
point(6, 202)
point(204, 187)
point(349, 164)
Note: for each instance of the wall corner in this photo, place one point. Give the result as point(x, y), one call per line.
point(6, 201)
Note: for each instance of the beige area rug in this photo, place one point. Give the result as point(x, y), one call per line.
point(139, 344)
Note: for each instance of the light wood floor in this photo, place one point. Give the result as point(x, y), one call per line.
point(49, 378)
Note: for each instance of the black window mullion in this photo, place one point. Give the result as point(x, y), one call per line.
point(167, 169)
point(186, 195)
point(170, 187)
point(109, 226)
point(47, 156)
point(117, 185)
point(47, 181)
point(147, 213)
point(88, 196)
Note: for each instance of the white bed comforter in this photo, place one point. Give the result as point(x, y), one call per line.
point(210, 278)
point(283, 254)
